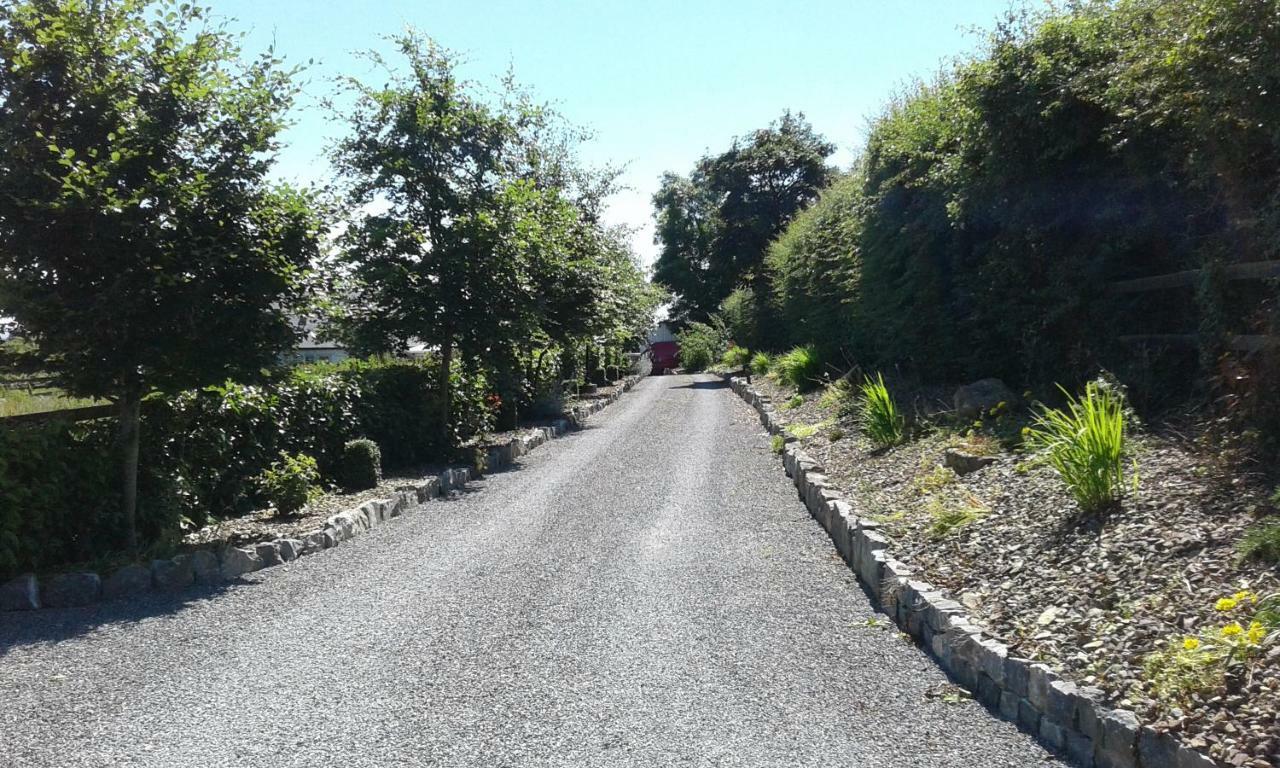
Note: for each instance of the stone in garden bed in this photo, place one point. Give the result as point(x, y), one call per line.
point(127, 581)
point(20, 594)
point(68, 590)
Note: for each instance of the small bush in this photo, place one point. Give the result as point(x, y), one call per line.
point(701, 345)
point(361, 466)
point(761, 363)
point(795, 401)
point(1262, 542)
point(881, 422)
point(800, 368)
point(735, 357)
point(1085, 445)
point(778, 443)
point(290, 483)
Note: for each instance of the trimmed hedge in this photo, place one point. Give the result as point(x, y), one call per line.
point(202, 452)
point(991, 208)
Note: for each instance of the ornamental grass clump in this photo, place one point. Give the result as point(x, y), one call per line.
point(881, 421)
point(1085, 445)
point(761, 363)
point(800, 368)
point(735, 357)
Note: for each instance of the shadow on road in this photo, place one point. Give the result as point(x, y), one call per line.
point(717, 384)
point(53, 625)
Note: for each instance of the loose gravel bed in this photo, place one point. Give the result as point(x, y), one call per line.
point(1090, 597)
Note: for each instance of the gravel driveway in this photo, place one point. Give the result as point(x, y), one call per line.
point(646, 592)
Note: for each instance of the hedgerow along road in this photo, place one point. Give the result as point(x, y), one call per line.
point(646, 592)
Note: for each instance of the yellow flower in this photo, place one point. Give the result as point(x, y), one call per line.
point(1226, 604)
point(1232, 629)
point(1241, 597)
point(1191, 643)
point(1257, 633)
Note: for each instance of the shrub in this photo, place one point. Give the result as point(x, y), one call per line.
point(1085, 445)
point(761, 363)
point(361, 466)
point(881, 422)
point(800, 368)
point(1262, 542)
point(702, 344)
point(290, 483)
point(735, 357)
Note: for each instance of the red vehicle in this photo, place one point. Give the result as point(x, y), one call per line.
point(663, 349)
point(665, 356)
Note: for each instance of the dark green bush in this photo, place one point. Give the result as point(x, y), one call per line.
point(361, 466)
point(202, 451)
point(702, 344)
point(735, 357)
point(290, 483)
point(800, 368)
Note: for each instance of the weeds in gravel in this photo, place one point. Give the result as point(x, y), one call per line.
point(800, 368)
point(1085, 445)
point(838, 397)
point(1262, 542)
point(947, 515)
point(881, 421)
point(761, 363)
point(778, 444)
point(806, 431)
point(936, 479)
point(1197, 665)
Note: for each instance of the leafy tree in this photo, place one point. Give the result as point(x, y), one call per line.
point(715, 227)
point(141, 247)
point(483, 237)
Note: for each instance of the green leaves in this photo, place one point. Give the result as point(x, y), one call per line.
point(880, 420)
point(1085, 445)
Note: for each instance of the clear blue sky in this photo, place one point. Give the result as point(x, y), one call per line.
point(659, 82)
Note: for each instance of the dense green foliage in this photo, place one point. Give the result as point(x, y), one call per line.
point(1085, 445)
point(800, 368)
point(1262, 542)
point(361, 466)
point(206, 448)
point(142, 246)
point(761, 362)
point(715, 225)
point(735, 357)
point(978, 231)
point(290, 483)
point(485, 243)
point(880, 420)
point(702, 345)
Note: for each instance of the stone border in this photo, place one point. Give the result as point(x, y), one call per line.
point(207, 566)
point(1071, 720)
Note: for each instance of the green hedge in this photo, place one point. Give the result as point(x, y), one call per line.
point(201, 452)
point(990, 208)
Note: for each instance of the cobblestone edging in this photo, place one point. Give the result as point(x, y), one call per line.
point(208, 566)
point(1069, 719)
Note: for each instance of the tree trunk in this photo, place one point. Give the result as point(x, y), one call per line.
point(129, 434)
point(446, 392)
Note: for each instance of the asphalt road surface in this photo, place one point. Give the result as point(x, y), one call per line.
point(645, 592)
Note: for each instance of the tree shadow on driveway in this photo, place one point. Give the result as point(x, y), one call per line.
point(717, 384)
point(54, 625)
